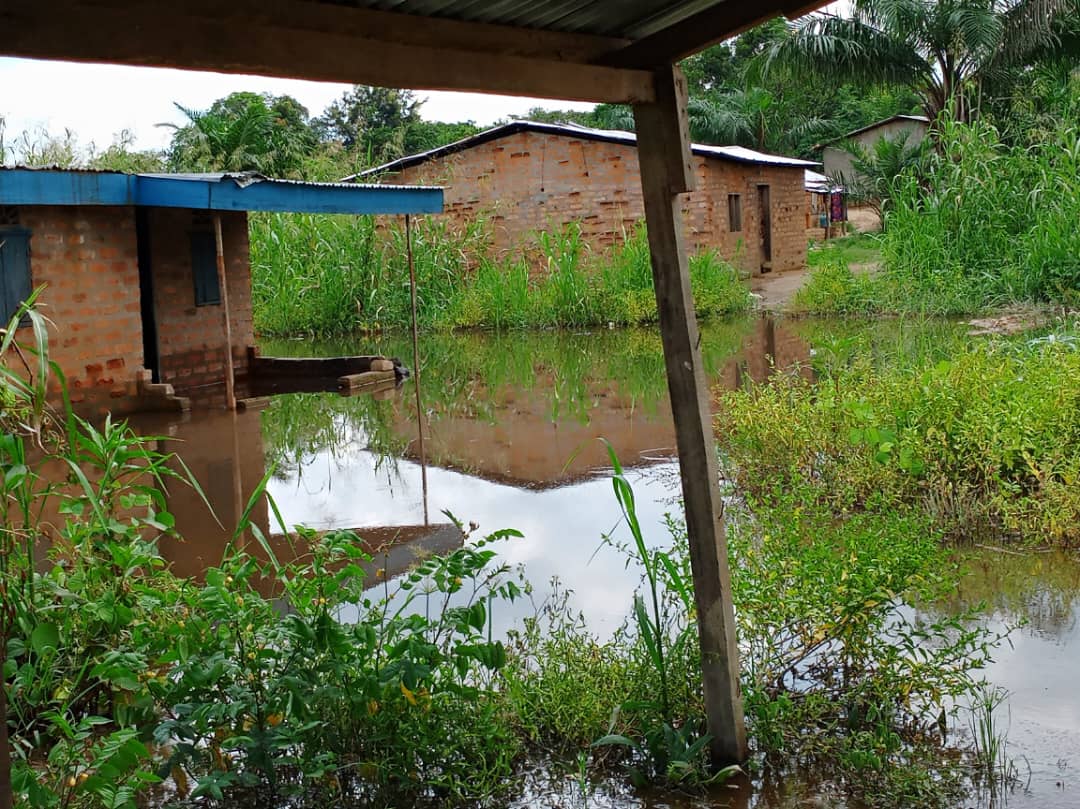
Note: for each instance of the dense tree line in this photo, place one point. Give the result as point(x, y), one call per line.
point(784, 87)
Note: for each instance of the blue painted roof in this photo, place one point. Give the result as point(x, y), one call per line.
point(211, 192)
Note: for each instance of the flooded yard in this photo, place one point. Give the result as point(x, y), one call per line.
point(511, 426)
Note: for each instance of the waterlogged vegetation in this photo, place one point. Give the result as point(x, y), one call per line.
point(268, 681)
point(322, 275)
point(985, 443)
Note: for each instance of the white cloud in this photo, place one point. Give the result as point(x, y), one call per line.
point(98, 101)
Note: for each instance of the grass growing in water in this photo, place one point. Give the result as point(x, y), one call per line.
point(987, 441)
point(411, 700)
point(327, 275)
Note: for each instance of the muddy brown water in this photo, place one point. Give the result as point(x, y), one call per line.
point(511, 424)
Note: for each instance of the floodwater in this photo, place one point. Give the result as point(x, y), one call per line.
point(510, 434)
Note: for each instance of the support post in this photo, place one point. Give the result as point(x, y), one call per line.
point(416, 363)
point(666, 172)
point(230, 392)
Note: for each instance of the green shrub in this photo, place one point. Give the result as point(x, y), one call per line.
point(988, 440)
point(831, 288)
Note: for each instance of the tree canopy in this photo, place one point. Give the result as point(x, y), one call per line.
point(949, 52)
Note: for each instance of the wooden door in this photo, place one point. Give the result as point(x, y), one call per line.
point(765, 218)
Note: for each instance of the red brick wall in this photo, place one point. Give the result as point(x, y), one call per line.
point(531, 181)
point(191, 339)
point(87, 257)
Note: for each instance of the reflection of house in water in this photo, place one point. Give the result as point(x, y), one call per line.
point(528, 445)
point(226, 455)
point(770, 348)
point(528, 436)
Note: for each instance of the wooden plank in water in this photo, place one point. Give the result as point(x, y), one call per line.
point(253, 403)
point(368, 379)
point(326, 367)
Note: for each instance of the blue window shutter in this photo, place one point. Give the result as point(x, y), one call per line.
point(204, 269)
point(15, 286)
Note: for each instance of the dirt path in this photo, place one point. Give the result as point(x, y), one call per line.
point(775, 290)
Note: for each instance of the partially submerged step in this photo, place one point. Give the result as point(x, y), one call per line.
point(366, 380)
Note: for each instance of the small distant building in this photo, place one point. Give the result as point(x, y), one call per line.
point(527, 176)
point(129, 269)
point(826, 206)
point(836, 161)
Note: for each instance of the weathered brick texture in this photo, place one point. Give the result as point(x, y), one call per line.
point(87, 258)
point(88, 261)
point(530, 181)
point(191, 339)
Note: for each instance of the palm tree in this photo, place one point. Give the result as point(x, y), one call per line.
point(243, 132)
point(214, 141)
point(946, 50)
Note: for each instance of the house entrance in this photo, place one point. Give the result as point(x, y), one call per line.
point(765, 218)
point(146, 294)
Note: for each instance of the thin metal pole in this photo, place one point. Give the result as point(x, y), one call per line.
point(416, 364)
point(230, 393)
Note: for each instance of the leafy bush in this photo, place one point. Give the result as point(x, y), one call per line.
point(837, 667)
point(104, 648)
point(987, 440)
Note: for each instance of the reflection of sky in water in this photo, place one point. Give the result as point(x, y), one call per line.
point(563, 527)
point(353, 488)
point(1041, 672)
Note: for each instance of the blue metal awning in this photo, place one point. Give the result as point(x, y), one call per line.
point(211, 192)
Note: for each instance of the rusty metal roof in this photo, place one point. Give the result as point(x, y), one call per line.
point(736, 154)
point(587, 50)
point(626, 19)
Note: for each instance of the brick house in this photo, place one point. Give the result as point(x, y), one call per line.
point(127, 271)
point(526, 176)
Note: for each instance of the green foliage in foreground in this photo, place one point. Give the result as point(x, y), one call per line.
point(118, 675)
point(988, 441)
point(326, 275)
point(838, 673)
point(983, 225)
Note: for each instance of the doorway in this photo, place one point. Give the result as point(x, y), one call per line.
point(146, 294)
point(765, 218)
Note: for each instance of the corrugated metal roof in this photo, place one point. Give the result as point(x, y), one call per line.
point(736, 154)
point(918, 119)
point(247, 191)
point(630, 19)
point(241, 178)
point(818, 183)
point(247, 178)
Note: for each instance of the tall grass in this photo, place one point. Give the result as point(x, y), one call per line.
point(327, 275)
point(983, 225)
point(992, 225)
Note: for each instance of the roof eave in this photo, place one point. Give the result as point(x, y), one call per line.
point(563, 130)
point(77, 188)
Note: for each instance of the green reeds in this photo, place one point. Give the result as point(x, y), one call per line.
point(335, 275)
point(983, 225)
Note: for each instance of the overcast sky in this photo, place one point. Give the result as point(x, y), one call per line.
point(98, 101)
